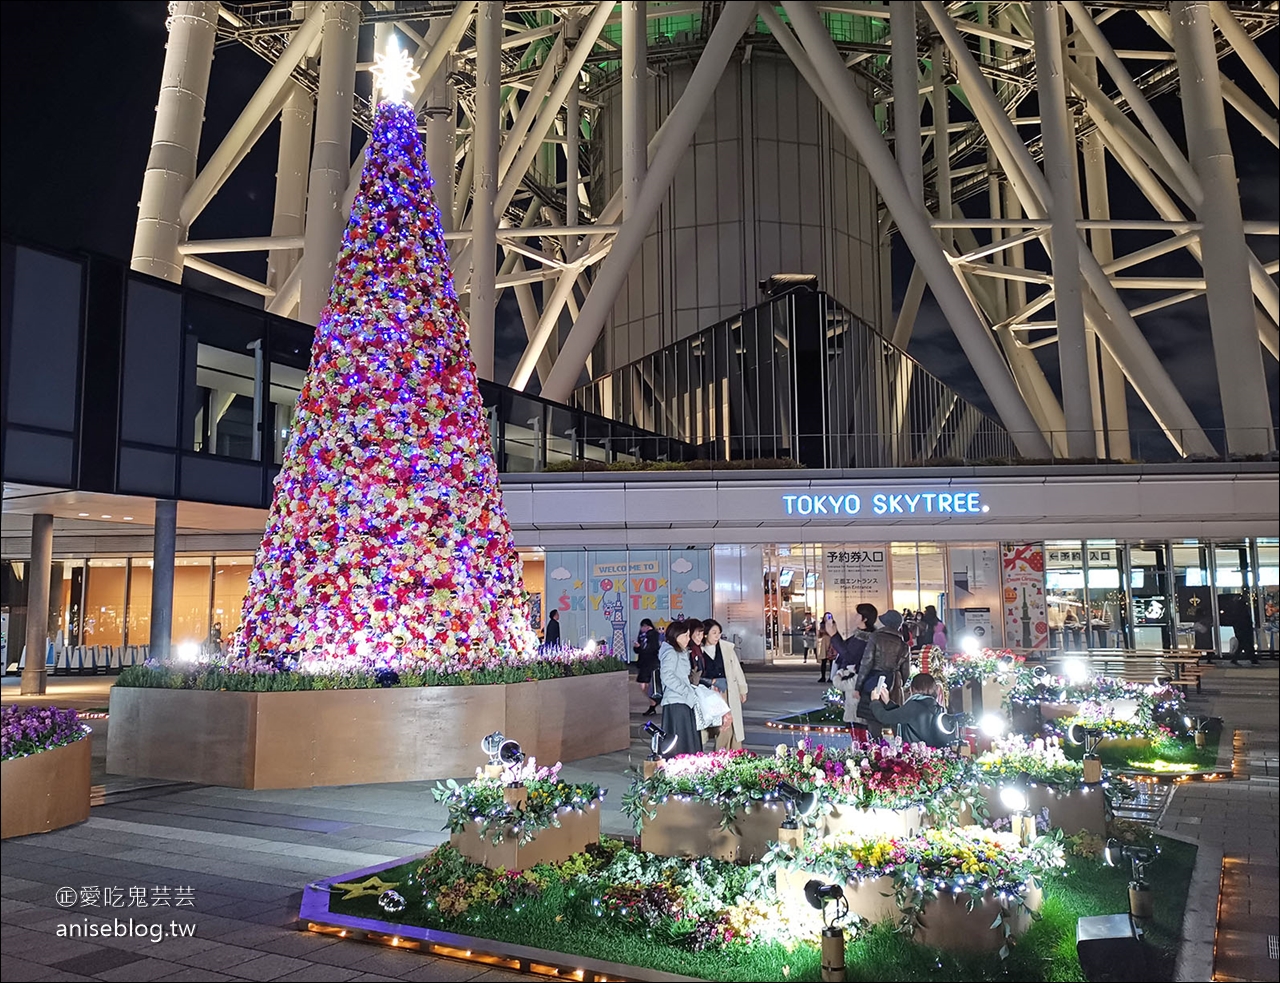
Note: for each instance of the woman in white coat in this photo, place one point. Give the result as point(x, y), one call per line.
point(724, 672)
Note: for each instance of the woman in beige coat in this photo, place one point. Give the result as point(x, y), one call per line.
point(724, 672)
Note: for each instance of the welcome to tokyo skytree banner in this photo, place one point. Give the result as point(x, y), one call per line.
point(604, 594)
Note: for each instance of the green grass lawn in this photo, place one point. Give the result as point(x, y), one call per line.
point(557, 922)
point(1161, 756)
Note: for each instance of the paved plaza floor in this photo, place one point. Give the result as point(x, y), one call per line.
point(243, 857)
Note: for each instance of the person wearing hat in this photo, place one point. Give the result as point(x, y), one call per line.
point(887, 659)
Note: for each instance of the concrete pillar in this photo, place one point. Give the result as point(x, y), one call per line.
point(331, 156)
point(1242, 381)
point(439, 137)
point(484, 226)
point(171, 165)
point(34, 677)
point(290, 216)
point(635, 135)
point(166, 538)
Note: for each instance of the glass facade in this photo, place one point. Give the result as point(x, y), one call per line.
point(797, 377)
point(1100, 595)
point(119, 383)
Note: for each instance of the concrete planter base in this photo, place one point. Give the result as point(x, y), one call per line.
point(555, 844)
point(684, 828)
point(45, 791)
point(1079, 809)
point(358, 736)
point(946, 921)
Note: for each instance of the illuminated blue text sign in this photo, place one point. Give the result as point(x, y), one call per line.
point(887, 503)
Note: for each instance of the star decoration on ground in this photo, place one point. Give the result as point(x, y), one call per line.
point(372, 888)
point(393, 73)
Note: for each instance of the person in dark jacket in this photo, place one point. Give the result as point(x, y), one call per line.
point(849, 650)
point(551, 637)
point(646, 650)
point(886, 658)
point(916, 720)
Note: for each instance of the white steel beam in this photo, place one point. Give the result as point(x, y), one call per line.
point(289, 215)
point(1117, 328)
point(229, 276)
point(905, 63)
point(678, 131)
point(635, 118)
point(175, 141)
point(253, 244)
point(1111, 380)
point(851, 112)
point(331, 155)
point(439, 138)
point(484, 223)
point(1060, 168)
point(249, 125)
point(1242, 381)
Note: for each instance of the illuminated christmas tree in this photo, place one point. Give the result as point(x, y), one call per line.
point(387, 542)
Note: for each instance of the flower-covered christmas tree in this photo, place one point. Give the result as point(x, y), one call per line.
point(387, 542)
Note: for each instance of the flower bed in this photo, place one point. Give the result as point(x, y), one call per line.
point(995, 874)
point(548, 822)
point(1052, 782)
point(358, 736)
point(45, 770)
point(884, 775)
point(260, 675)
point(726, 804)
point(963, 668)
point(711, 920)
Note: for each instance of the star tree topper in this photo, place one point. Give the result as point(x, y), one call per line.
point(393, 73)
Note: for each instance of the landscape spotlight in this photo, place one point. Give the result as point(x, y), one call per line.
point(659, 743)
point(1076, 670)
point(969, 645)
point(993, 725)
point(798, 804)
point(821, 895)
point(1090, 737)
point(500, 750)
point(1115, 853)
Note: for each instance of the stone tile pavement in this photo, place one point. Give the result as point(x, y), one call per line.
point(246, 856)
point(1233, 909)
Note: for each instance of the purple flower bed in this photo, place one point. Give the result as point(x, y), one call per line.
point(29, 730)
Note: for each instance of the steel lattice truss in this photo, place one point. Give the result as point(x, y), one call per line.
point(1018, 109)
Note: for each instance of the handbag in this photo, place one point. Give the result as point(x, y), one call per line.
point(709, 708)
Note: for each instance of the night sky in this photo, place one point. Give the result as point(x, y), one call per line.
point(79, 97)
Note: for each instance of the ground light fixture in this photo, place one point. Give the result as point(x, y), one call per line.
point(503, 753)
point(799, 805)
point(830, 900)
point(993, 725)
point(660, 744)
point(1198, 727)
point(188, 652)
point(1022, 823)
point(1114, 854)
point(1090, 737)
point(1076, 670)
point(969, 645)
point(949, 727)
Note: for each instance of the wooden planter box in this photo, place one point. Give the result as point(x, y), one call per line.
point(577, 830)
point(358, 736)
point(1081, 808)
point(945, 923)
point(692, 829)
point(874, 822)
point(981, 698)
point(45, 791)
